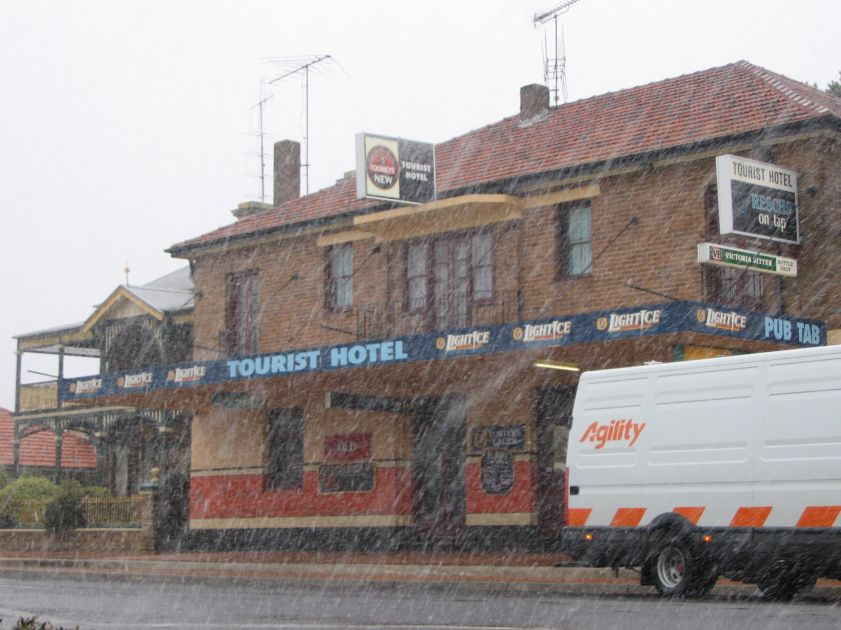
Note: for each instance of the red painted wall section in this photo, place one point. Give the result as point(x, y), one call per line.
point(242, 496)
point(517, 500)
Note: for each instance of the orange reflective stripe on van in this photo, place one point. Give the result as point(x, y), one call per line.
point(819, 516)
point(691, 514)
point(751, 516)
point(577, 517)
point(627, 517)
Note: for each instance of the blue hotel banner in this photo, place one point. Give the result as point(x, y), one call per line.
point(673, 317)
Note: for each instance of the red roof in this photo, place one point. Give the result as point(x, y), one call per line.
point(38, 450)
point(735, 99)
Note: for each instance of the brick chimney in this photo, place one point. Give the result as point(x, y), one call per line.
point(287, 171)
point(534, 100)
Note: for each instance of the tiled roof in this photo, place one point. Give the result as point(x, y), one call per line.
point(722, 102)
point(336, 200)
point(38, 450)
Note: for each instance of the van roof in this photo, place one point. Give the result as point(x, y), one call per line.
point(717, 362)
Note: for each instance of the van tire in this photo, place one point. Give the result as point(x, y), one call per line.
point(676, 569)
point(704, 582)
point(783, 581)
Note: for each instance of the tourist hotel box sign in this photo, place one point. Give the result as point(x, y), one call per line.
point(394, 169)
point(601, 326)
point(756, 199)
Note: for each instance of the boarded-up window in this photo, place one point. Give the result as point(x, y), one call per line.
point(340, 273)
point(242, 313)
point(416, 275)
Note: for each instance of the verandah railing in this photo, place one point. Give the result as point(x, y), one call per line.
point(99, 512)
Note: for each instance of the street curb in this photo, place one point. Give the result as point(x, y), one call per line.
point(559, 581)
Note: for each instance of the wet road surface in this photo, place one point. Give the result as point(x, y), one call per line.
point(95, 603)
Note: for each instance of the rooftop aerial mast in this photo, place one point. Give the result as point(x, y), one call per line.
point(297, 65)
point(554, 68)
point(305, 67)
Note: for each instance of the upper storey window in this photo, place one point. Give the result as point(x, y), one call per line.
point(446, 276)
point(340, 275)
point(242, 313)
point(574, 242)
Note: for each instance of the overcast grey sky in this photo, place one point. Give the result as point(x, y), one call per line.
point(127, 126)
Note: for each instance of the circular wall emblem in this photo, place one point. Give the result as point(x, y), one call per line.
point(382, 167)
point(517, 333)
point(440, 343)
point(120, 381)
point(496, 472)
point(72, 388)
point(601, 323)
point(701, 315)
point(170, 376)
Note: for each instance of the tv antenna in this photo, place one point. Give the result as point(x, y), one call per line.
point(262, 135)
point(301, 64)
point(554, 68)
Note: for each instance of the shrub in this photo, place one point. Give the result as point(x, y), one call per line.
point(32, 623)
point(64, 512)
point(5, 478)
point(95, 491)
point(22, 489)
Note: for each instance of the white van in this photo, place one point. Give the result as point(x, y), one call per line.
point(728, 466)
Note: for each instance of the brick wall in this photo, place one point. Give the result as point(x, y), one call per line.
point(658, 254)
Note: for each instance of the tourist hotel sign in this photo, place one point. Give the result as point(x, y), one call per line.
point(756, 199)
point(726, 256)
point(596, 327)
point(394, 169)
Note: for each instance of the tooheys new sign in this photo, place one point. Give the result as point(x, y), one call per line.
point(394, 169)
point(756, 199)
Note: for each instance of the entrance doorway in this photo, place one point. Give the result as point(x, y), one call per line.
point(554, 412)
point(438, 468)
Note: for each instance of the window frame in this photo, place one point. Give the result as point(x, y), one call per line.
point(564, 243)
point(411, 305)
point(332, 280)
point(737, 291)
point(450, 242)
point(242, 313)
point(286, 471)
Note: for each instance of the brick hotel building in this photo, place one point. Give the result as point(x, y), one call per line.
point(367, 370)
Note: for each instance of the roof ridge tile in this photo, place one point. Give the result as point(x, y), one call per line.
point(776, 81)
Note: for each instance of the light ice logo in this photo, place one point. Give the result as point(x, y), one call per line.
point(621, 322)
point(468, 341)
point(87, 386)
point(550, 331)
point(186, 375)
point(722, 320)
point(134, 381)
